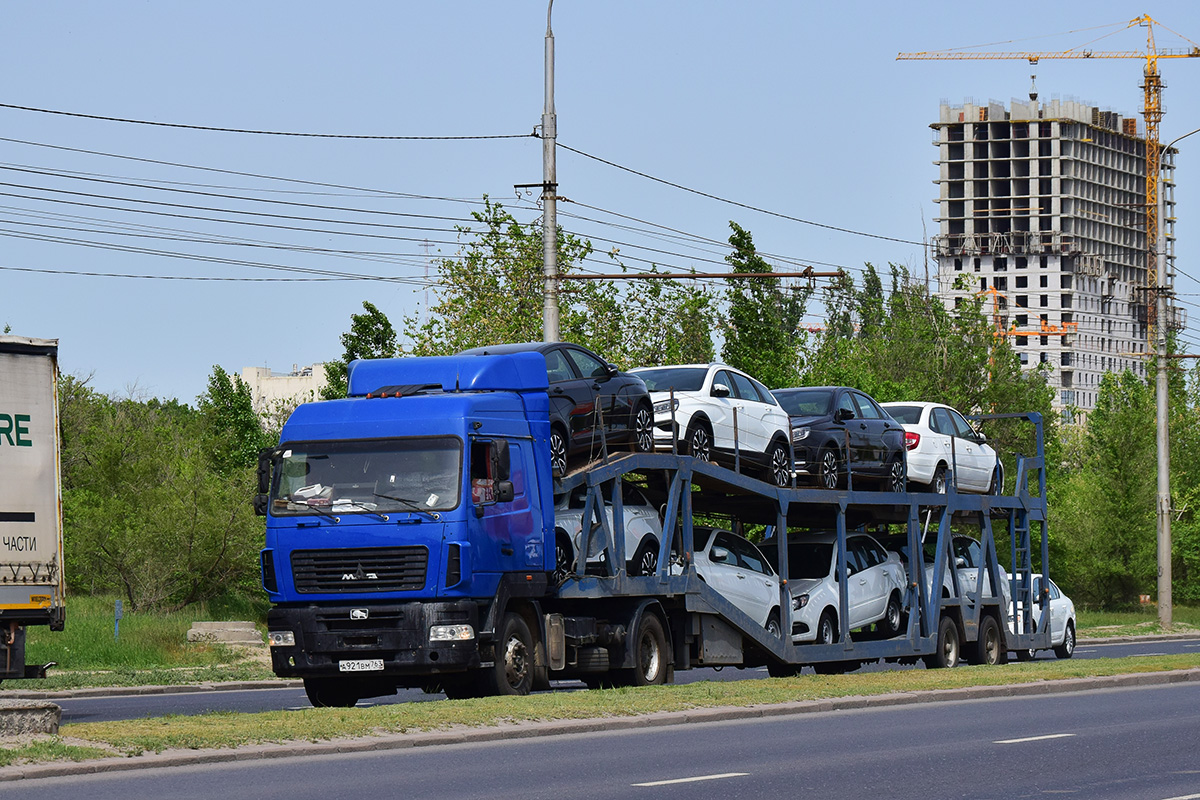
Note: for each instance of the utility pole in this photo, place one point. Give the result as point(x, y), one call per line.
point(550, 329)
point(1161, 421)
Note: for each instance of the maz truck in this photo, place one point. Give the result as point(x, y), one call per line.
point(411, 542)
point(31, 546)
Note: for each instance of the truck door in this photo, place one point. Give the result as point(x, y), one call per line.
point(504, 507)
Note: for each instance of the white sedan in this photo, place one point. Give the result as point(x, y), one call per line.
point(1061, 612)
point(875, 590)
point(713, 407)
point(642, 523)
point(937, 437)
point(738, 571)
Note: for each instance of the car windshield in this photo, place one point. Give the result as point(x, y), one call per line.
point(368, 476)
point(681, 379)
point(806, 402)
point(905, 415)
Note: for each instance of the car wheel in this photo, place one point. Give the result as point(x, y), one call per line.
point(829, 469)
point(650, 653)
point(989, 649)
point(645, 561)
point(643, 429)
point(773, 626)
point(827, 631)
point(946, 655)
point(563, 557)
point(512, 672)
point(997, 484)
point(938, 484)
point(330, 692)
point(897, 479)
point(892, 622)
point(558, 451)
point(699, 441)
point(1067, 648)
point(780, 464)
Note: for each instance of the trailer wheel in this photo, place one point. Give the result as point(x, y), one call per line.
point(649, 653)
point(989, 649)
point(947, 652)
point(512, 672)
point(330, 692)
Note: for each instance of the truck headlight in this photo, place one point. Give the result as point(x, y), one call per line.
point(800, 434)
point(666, 406)
point(281, 639)
point(451, 633)
point(799, 602)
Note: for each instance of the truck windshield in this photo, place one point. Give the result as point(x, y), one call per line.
point(368, 476)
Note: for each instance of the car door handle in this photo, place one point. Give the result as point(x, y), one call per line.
point(741, 577)
point(558, 390)
point(596, 386)
point(863, 582)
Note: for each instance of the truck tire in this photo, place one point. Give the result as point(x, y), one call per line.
point(513, 667)
point(988, 649)
point(947, 652)
point(330, 692)
point(649, 653)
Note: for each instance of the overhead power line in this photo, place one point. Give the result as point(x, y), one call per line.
point(260, 132)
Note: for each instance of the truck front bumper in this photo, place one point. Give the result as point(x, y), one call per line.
point(395, 637)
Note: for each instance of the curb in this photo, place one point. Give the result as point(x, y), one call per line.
point(530, 730)
point(181, 688)
point(1157, 637)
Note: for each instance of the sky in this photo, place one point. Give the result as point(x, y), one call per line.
point(799, 110)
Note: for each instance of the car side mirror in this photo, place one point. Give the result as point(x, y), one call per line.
point(960, 562)
point(979, 437)
point(720, 390)
point(718, 555)
point(612, 370)
point(843, 414)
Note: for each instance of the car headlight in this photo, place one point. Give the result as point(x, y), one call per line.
point(666, 406)
point(799, 602)
point(800, 434)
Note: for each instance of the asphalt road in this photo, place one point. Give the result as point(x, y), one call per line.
point(99, 709)
point(1132, 744)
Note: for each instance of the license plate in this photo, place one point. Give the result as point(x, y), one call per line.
point(361, 665)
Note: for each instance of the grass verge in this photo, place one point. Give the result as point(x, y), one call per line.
point(1140, 622)
point(223, 730)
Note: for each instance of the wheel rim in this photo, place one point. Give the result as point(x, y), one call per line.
point(650, 657)
point(1069, 640)
point(647, 564)
point(893, 615)
point(896, 477)
point(516, 662)
point(562, 562)
point(829, 470)
point(950, 650)
point(939, 482)
point(826, 636)
point(558, 452)
point(773, 628)
point(699, 444)
point(643, 430)
point(780, 468)
point(991, 646)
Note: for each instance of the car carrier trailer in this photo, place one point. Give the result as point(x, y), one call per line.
point(410, 543)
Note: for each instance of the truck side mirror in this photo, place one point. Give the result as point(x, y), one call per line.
point(501, 462)
point(265, 457)
point(504, 492)
point(261, 501)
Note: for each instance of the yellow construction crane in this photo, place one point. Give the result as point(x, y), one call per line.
point(1152, 111)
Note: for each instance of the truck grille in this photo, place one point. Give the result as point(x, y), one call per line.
point(358, 570)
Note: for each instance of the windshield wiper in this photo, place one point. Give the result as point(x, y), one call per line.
point(322, 511)
point(361, 507)
point(411, 505)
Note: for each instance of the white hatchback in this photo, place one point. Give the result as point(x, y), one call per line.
point(936, 437)
point(1061, 613)
point(738, 571)
point(714, 406)
point(642, 524)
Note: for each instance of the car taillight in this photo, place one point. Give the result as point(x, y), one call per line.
point(911, 440)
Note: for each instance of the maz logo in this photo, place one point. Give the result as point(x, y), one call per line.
point(359, 613)
point(359, 575)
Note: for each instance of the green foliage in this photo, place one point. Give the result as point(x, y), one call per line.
point(371, 335)
point(233, 433)
point(763, 318)
point(146, 513)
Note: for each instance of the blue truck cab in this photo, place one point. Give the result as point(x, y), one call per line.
point(401, 519)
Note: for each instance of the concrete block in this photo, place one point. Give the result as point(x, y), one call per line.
point(242, 633)
point(18, 717)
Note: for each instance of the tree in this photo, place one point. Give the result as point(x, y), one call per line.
point(761, 336)
point(233, 432)
point(371, 335)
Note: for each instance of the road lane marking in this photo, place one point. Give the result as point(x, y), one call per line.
point(1185, 797)
point(1143, 655)
point(1035, 738)
point(693, 780)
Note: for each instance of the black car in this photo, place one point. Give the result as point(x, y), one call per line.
point(585, 388)
point(836, 426)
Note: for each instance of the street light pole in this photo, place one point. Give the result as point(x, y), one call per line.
point(550, 327)
point(1161, 421)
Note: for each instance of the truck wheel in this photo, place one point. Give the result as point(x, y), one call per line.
point(946, 655)
point(330, 692)
point(649, 653)
point(512, 672)
point(989, 649)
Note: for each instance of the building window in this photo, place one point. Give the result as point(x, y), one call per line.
point(1000, 283)
point(1066, 281)
point(1045, 281)
point(1042, 262)
point(976, 265)
point(1024, 358)
point(983, 284)
point(1045, 301)
point(1022, 301)
point(1022, 281)
point(1021, 342)
point(1022, 262)
point(958, 265)
point(1022, 320)
point(1065, 301)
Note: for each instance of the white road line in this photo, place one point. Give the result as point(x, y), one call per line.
point(1192, 645)
point(693, 780)
point(1143, 655)
point(1035, 738)
point(1185, 797)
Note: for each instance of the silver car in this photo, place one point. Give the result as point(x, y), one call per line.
point(642, 523)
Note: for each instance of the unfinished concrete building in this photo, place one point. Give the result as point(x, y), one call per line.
point(1042, 210)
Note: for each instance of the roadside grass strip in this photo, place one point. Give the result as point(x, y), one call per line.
point(229, 730)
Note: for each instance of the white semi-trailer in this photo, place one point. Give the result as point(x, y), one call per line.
point(31, 544)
